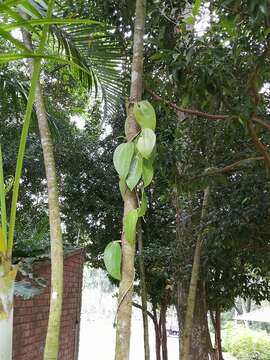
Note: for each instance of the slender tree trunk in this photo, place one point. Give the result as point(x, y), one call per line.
point(7, 278)
point(218, 336)
point(157, 334)
point(191, 301)
point(123, 326)
point(53, 332)
point(163, 311)
point(143, 294)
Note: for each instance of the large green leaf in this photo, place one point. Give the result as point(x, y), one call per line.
point(130, 223)
point(145, 115)
point(122, 158)
point(148, 172)
point(113, 258)
point(135, 172)
point(146, 142)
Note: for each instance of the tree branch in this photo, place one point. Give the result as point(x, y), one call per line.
point(259, 145)
point(257, 120)
point(227, 168)
point(187, 111)
point(148, 312)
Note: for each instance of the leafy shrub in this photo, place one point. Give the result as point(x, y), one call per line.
point(246, 344)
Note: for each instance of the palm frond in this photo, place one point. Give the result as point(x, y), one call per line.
point(89, 45)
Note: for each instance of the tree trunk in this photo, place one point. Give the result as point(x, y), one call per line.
point(163, 311)
point(6, 311)
point(124, 309)
point(157, 334)
point(191, 301)
point(199, 349)
point(215, 317)
point(143, 294)
point(218, 345)
point(53, 332)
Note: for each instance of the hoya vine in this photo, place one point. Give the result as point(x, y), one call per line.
point(133, 162)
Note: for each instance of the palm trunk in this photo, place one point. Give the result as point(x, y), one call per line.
point(53, 332)
point(191, 301)
point(7, 270)
point(143, 294)
point(6, 312)
point(123, 327)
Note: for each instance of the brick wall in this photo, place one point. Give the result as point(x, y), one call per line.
point(31, 316)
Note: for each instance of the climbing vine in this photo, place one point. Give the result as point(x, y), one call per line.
point(133, 161)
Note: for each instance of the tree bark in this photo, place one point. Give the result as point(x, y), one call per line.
point(218, 345)
point(124, 310)
point(143, 294)
point(199, 348)
point(163, 311)
point(53, 332)
point(191, 301)
point(157, 334)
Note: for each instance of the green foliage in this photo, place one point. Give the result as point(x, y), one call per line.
point(146, 142)
point(113, 258)
point(143, 205)
point(130, 223)
point(145, 115)
point(135, 171)
point(122, 158)
point(148, 172)
point(246, 344)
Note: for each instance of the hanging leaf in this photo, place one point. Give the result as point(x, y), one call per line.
point(135, 172)
point(123, 188)
point(113, 258)
point(148, 172)
point(130, 223)
point(145, 115)
point(143, 206)
point(146, 142)
point(122, 158)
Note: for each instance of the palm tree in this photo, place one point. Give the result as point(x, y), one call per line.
point(98, 74)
